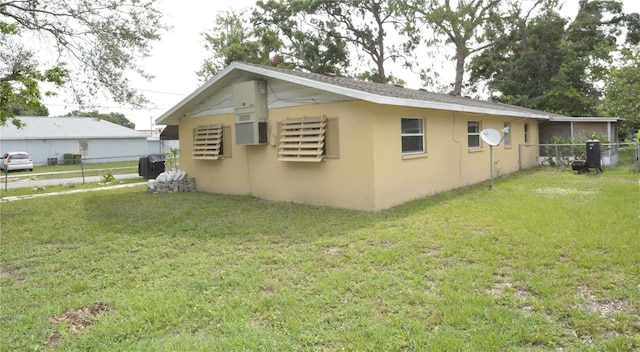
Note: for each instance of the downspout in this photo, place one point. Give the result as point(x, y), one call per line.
point(520, 157)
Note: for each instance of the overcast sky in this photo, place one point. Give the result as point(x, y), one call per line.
point(176, 58)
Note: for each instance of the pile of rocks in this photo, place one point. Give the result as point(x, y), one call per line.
point(172, 181)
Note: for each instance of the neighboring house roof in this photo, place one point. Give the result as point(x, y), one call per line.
point(66, 128)
point(347, 87)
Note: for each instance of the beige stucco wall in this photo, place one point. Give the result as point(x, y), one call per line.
point(346, 182)
point(371, 173)
point(448, 162)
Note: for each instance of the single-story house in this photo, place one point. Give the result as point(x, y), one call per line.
point(47, 139)
point(286, 135)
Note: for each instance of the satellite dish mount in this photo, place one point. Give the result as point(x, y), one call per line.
point(492, 138)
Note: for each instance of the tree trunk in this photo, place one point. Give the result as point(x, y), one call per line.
point(460, 57)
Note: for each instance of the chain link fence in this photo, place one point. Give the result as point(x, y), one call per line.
point(564, 154)
point(77, 167)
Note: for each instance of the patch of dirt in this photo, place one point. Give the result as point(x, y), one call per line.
point(562, 191)
point(334, 251)
point(10, 274)
point(502, 283)
point(601, 307)
point(75, 321)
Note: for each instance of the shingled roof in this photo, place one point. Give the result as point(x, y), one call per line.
point(356, 89)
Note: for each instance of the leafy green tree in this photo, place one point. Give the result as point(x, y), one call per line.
point(309, 43)
point(366, 26)
point(622, 86)
point(313, 35)
point(520, 70)
point(20, 77)
point(464, 24)
point(22, 111)
point(274, 33)
point(114, 117)
point(231, 39)
point(92, 46)
point(549, 63)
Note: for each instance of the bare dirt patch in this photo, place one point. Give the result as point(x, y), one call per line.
point(603, 308)
point(503, 282)
point(75, 321)
point(10, 274)
point(563, 191)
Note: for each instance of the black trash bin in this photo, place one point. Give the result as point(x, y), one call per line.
point(594, 155)
point(151, 166)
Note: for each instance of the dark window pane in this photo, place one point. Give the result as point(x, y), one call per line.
point(473, 127)
point(411, 126)
point(412, 144)
point(474, 141)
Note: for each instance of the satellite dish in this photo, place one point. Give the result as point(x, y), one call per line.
point(490, 136)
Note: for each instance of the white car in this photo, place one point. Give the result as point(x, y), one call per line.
point(16, 161)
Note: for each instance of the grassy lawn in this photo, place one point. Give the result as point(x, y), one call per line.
point(548, 260)
point(131, 166)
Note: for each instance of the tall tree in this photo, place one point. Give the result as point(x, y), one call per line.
point(622, 86)
point(367, 25)
point(231, 39)
point(274, 33)
point(115, 117)
point(320, 36)
point(552, 64)
point(309, 43)
point(462, 24)
point(87, 46)
point(520, 70)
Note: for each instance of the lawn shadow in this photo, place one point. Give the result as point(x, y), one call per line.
point(202, 215)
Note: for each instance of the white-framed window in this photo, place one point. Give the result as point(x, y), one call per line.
point(412, 134)
point(527, 133)
point(473, 134)
point(507, 136)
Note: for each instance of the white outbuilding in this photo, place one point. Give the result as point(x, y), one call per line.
point(48, 139)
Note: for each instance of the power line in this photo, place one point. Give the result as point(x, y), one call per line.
point(106, 107)
point(142, 90)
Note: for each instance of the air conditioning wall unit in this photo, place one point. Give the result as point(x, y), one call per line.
point(250, 110)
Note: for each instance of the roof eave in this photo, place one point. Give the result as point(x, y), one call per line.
point(171, 116)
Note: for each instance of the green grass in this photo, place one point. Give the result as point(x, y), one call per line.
point(547, 260)
point(133, 165)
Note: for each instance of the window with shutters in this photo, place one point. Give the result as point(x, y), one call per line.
point(304, 139)
point(209, 142)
